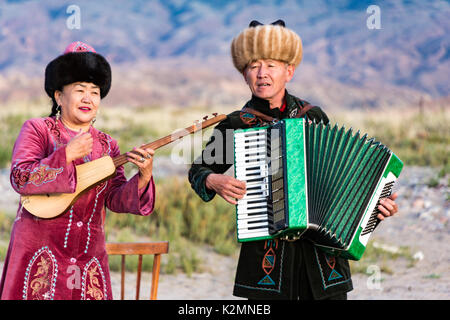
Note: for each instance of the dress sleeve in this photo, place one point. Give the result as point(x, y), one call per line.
point(36, 171)
point(125, 196)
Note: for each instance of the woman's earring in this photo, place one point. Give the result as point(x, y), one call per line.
point(58, 113)
point(95, 118)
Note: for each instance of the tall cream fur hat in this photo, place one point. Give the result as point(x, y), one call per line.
point(270, 41)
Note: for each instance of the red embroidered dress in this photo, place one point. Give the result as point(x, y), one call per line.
point(64, 257)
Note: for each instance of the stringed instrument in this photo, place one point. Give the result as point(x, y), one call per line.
point(92, 173)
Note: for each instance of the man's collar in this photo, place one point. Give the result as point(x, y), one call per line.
point(264, 105)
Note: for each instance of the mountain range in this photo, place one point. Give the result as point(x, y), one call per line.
point(177, 52)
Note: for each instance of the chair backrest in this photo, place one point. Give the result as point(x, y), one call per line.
point(140, 248)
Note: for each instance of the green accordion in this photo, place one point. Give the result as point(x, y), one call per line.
point(312, 181)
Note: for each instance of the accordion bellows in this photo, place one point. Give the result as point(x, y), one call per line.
point(311, 180)
point(266, 42)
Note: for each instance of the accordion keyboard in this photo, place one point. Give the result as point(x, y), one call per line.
point(253, 210)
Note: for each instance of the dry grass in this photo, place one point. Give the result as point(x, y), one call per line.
point(180, 216)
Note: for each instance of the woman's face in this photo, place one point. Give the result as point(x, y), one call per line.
point(79, 102)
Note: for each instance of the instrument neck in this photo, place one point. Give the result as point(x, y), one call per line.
point(122, 159)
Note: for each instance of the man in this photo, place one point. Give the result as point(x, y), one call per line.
point(267, 56)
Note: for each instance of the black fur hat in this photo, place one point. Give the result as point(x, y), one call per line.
point(79, 62)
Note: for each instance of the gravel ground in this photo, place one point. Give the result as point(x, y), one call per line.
point(422, 225)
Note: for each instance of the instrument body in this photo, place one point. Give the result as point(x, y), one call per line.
point(318, 182)
point(92, 173)
point(89, 174)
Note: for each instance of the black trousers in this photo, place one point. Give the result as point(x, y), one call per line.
point(304, 292)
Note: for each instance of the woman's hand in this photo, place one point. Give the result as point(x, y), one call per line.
point(79, 146)
point(143, 159)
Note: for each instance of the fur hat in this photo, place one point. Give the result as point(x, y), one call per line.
point(79, 62)
point(272, 41)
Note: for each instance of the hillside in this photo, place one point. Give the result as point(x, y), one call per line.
point(177, 52)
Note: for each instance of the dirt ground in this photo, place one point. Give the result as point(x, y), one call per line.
point(421, 226)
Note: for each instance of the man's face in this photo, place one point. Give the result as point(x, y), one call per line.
point(267, 78)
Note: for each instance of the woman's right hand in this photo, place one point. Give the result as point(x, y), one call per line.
point(79, 146)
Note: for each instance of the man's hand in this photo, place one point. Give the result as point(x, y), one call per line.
point(227, 187)
point(388, 207)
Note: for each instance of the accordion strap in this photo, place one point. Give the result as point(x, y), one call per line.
point(258, 114)
point(302, 109)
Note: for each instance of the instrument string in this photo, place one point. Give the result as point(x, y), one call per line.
point(122, 159)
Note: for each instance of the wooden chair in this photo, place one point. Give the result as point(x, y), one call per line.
point(155, 248)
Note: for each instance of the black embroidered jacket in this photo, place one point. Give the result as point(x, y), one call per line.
point(271, 269)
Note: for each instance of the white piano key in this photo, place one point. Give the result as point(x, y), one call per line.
point(257, 217)
point(244, 201)
point(249, 142)
point(263, 180)
point(253, 234)
point(244, 166)
point(243, 216)
point(244, 207)
point(250, 145)
point(251, 178)
point(250, 134)
point(252, 219)
point(254, 211)
point(255, 194)
point(242, 163)
point(250, 225)
point(245, 157)
point(253, 168)
point(243, 145)
point(250, 159)
point(257, 230)
point(259, 189)
point(247, 177)
point(255, 181)
point(252, 215)
point(244, 226)
point(261, 154)
point(257, 148)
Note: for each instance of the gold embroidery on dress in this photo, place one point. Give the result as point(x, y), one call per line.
point(42, 282)
point(44, 174)
point(94, 284)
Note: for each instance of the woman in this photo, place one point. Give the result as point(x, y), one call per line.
point(65, 257)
